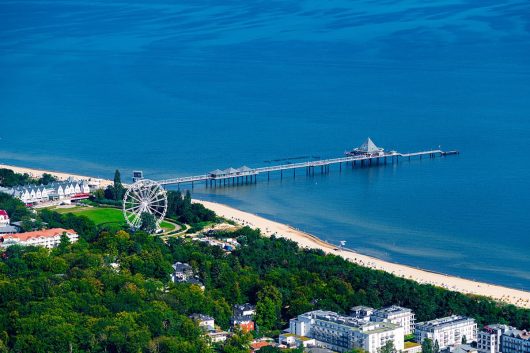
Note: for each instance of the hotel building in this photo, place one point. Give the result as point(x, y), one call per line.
point(342, 333)
point(447, 331)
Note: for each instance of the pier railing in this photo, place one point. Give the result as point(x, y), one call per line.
point(252, 173)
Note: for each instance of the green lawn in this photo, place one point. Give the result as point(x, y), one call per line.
point(107, 216)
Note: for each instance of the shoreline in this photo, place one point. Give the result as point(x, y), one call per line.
point(268, 227)
point(37, 173)
point(499, 293)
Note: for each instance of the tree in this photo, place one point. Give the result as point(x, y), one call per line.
point(426, 346)
point(238, 343)
point(119, 190)
point(268, 308)
point(388, 347)
point(46, 179)
point(99, 194)
point(14, 207)
point(464, 339)
point(148, 223)
point(436, 347)
point(357, 350)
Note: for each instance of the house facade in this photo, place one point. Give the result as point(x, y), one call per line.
point(448, 331)
point(342, 333)
point(398, 315)
point(515, 341)
point(31, 194)
point(49, 238)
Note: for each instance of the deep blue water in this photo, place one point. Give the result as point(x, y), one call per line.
point(178, 88)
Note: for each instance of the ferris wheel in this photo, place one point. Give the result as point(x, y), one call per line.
point(144, 196)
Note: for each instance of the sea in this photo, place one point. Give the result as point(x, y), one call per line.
point(176, 88)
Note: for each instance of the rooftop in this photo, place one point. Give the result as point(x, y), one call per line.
point(244, 307)
point(9, 229)
point(201, 317)
point(47, 233)
point(394, 309)
point(352, 322)
point(409, 344)
point(301, 338)
point(444, 321)
point(242, 318)
point(522, 334)
point(181, 267)
point(368, 147)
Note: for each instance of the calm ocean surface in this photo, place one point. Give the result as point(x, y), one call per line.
point(178, 88)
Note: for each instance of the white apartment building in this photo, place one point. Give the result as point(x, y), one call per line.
point(447, 331)
point(341, 333)
point(397, 315)
point(489, 339)
point(48, 238)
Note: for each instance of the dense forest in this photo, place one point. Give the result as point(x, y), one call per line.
point(75, 299)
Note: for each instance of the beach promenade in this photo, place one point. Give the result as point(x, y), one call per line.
point(268, 228)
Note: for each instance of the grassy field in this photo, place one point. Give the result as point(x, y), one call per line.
point(105, 216)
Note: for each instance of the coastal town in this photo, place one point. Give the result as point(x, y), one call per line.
point(362, 328)
point(264, 176)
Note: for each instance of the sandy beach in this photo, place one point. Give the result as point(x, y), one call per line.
point(268, 228)
point(37, 173)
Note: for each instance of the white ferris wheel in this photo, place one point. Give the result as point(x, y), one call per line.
point(144, 196)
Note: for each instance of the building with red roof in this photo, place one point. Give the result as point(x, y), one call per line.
point(48, 238)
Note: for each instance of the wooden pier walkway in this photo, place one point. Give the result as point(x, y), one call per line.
point(245, 174)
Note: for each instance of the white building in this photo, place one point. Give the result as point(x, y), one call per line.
point(447, 331)
point(290, 340)
point(361, 312)
point(31, 194)
point(48, 238)
point(489, 339)
point(204, 321)
point(397, 315)
point(342, 333)
point(218, 336)
point(181, 272)
point(4, 218)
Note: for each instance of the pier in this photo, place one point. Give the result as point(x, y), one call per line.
point(366, 155)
